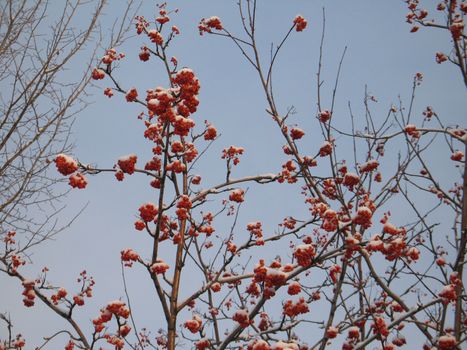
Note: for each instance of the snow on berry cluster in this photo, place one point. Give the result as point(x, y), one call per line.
point(68, 166)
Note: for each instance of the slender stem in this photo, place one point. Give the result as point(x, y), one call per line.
point(460, 261)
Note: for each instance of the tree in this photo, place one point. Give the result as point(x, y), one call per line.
point(39, 101)
point(38, 104)
point(376, 276)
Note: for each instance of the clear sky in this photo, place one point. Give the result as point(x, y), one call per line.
point(381, 54)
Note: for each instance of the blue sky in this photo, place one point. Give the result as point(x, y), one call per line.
point(381, 54)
